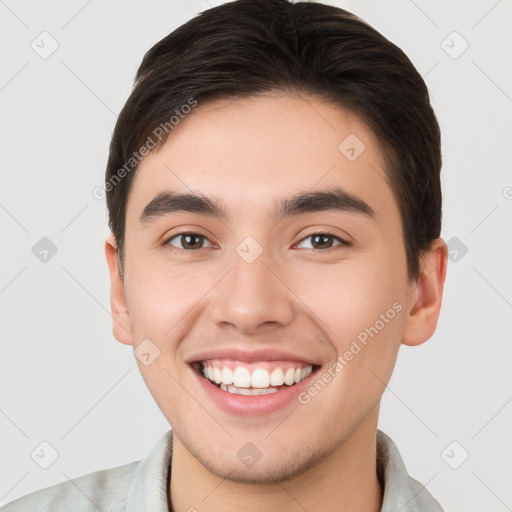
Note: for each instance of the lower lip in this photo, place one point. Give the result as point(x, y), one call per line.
point(252, 405)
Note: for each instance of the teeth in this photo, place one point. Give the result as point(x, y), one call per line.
point(247, 391)
point(241, 377)
point(227, 375)
point(277, 377)
point(260, 378)
point(242, 381)
point(289, 377)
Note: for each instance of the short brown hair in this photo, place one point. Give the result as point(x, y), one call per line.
point(246, 47)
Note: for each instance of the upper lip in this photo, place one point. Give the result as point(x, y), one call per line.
point(249, 356)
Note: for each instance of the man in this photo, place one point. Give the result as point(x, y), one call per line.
point(275, 207)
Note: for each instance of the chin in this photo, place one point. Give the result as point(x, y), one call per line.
point(273, 469)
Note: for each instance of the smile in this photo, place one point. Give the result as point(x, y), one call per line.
point(255, 378)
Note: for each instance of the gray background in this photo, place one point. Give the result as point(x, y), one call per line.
point(66, 381)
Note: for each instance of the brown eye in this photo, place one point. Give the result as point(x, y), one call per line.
point(322, 241)
point(189, 241)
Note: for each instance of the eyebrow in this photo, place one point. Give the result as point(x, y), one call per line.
point(337, 199)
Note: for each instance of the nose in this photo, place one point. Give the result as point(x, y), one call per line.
point(252, 298)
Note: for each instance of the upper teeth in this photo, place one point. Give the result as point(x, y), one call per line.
point(242, 377)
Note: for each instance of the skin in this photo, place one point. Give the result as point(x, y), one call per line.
point(247, 153)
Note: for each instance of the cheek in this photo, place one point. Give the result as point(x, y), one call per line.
point(347, 299)
point(362, 315)
point(162, 301)
point(161, 307)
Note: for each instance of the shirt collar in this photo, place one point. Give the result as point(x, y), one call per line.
point(149, 484)
point(402, 493)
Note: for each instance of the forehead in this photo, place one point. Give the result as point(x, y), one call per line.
point(248, 152)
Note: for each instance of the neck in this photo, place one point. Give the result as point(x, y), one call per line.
point(347, 480)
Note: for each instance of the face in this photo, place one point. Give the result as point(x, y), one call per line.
point(294, 309)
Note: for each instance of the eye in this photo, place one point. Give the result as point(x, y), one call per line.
point(323, 241)
point(194, 241)
point(189, 241)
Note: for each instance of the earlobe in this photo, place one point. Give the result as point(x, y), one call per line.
point(423, 313)
point(120, 318)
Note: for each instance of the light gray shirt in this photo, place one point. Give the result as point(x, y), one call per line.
point(142, 486)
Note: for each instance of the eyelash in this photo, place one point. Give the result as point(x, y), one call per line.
point(343, 243)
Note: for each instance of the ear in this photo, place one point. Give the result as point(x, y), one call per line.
point(120, 319)
point(426, 295)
